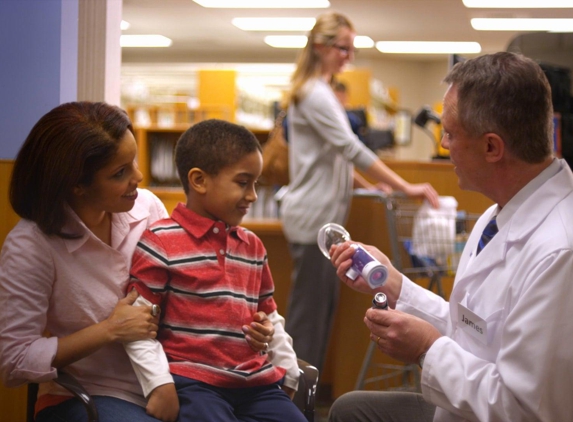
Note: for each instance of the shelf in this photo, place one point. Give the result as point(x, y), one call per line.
point(156, 146)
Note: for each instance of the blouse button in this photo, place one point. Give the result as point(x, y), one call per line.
point(216, 230)
point(221, 251)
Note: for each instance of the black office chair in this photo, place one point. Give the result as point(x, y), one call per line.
point(304, 397)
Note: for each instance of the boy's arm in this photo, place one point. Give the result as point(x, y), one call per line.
point(149, 277)
point(148, 359)
point(281, 352)
point(152, 370)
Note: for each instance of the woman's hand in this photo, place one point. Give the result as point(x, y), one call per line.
point(423, 190)
point(163, 403)
point(126, 323)
point(383, 187)
point(260, 332)
point(130, 323)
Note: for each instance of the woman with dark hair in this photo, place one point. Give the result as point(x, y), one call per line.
point(65, 266)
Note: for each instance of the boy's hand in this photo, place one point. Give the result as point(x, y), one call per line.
point(260, 332)
point(163, 403)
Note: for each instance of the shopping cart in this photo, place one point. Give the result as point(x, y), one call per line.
point(427, 250)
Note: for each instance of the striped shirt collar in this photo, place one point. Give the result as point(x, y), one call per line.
point(199, 226)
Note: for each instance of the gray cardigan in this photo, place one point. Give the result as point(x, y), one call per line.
point(322, 153)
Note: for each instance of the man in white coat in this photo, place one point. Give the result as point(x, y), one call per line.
point(501, 348)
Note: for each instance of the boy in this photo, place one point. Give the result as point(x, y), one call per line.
point(210, 277)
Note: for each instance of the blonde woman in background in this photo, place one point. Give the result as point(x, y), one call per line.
point(323, 152)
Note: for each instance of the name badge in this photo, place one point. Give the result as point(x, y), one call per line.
point(472, 324)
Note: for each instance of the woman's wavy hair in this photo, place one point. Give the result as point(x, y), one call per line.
point(325, 31)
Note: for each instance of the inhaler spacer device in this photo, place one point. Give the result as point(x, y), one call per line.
point(363, 263)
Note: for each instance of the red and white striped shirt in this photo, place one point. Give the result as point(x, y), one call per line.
point(209, 280)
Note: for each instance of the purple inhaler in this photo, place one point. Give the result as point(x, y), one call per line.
point(363, 263)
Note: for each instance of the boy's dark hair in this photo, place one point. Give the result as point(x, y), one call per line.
point(212, 145)
point(64, 149)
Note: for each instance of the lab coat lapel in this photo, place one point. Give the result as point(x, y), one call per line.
point(475, 268)
point(527, 218)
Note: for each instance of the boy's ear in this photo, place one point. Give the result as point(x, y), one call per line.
point(197, 179)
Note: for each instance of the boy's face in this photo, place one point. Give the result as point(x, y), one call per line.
point(229, 194)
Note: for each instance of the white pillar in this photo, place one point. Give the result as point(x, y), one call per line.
point(99, 59)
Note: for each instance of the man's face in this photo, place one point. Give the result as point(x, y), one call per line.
point(466, 152)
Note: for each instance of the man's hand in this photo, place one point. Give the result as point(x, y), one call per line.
point(163, 403)
point(341, 257)
point(259, 333)
point(400, 335)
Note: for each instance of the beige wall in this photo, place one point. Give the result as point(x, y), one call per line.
point(418, 84)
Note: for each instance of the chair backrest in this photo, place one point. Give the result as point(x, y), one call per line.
point(69, 383)
point(31, 401)
point(305, 397)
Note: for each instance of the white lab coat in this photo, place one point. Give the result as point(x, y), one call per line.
point(521, 285)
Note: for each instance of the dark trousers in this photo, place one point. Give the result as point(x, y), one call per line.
point(110, 409)
point(203, 402)
point(312, 303)
point(381, 406)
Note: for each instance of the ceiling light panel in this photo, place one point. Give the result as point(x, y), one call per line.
point(518, 24)
point(145, 41)
point(362, 41)
point(274, 24)
point(264, 4)
point(286, 41)
point(518, 4)
point(299, 41)
point(427, 47)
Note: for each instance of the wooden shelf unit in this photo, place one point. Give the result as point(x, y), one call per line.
point(150, 138)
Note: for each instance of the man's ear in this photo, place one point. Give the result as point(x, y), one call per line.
point(197, 180)
point(495, 147)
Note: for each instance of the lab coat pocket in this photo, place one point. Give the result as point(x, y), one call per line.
point(494, 324)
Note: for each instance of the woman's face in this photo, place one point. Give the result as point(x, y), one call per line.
point(335, 56)
point(114, 187)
